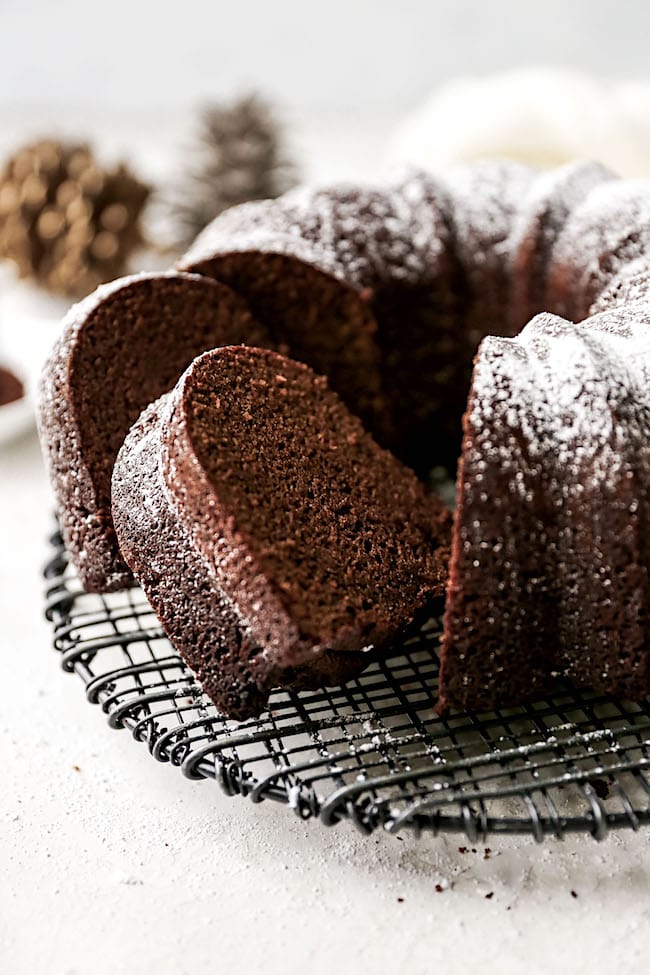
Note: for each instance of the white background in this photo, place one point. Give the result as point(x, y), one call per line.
point(342, 55)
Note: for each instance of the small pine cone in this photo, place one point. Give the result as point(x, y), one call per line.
point(64, 221)
point(241, 157)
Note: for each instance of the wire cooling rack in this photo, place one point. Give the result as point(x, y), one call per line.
point(373, 751)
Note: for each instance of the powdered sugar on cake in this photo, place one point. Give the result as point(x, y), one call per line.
point(360, 235)
point(610, 229)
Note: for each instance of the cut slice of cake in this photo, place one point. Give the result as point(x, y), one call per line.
point(276, 541)
point(119, 350)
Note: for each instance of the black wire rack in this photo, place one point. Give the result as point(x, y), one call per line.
point(373, 751)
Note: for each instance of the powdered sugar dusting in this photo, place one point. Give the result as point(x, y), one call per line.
point(486, 199)
point(558, 446)
point(564, 384)
point(609, 230)
point(630, 286)
point(361, 235)
point(540, 220)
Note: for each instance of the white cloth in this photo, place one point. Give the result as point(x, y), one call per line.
point(542, 116)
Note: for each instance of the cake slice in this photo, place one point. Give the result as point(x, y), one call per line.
point(360, 283)
point(276, 541)
point(119, 350)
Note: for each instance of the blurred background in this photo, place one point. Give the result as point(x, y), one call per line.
point(346, 56)
point(347, 90)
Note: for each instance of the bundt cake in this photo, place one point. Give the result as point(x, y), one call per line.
point(389, 293)
point(120, 349)
point(486, 201)
point(549, 570)
point(274, 539)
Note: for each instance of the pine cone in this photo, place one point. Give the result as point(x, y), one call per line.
point(241, 158)
point(64, 221)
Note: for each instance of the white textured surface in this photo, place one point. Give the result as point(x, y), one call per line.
point(126, 866)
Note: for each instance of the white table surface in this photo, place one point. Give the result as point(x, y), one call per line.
point(110, 862)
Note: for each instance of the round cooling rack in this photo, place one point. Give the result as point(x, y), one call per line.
point(373, 751)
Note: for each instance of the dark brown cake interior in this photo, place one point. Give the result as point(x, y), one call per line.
point(314, 319)
point(391, 319)
point(134, 348)
point(426, 364)
point(11, 388)
point(338, 526)
point(396, 353)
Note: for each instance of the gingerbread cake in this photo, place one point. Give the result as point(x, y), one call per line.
point(391, 293)
point(277, 542)
point(120, 349)
point(551, 552)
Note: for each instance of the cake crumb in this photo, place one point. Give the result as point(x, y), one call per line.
point(400, 900)
point(600, 787)
point(573, 893)
point(487, 853)
point(439, 888)
point(76, 768)
point(489, 896)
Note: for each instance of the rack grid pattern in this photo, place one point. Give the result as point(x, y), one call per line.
point(373, 751)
